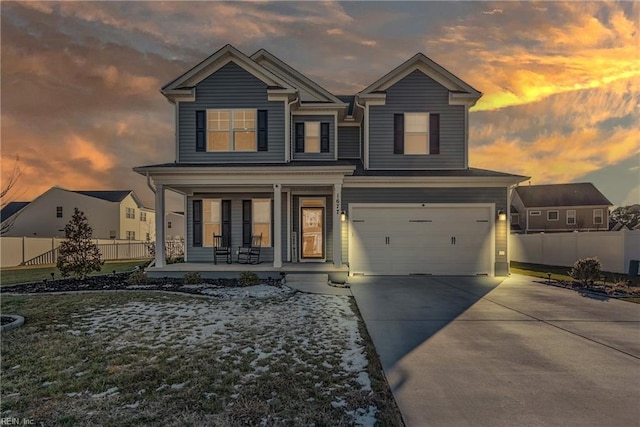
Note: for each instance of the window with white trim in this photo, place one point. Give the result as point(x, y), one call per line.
point(231, 130)
point(311, 137)
point(534, 213)
point(553, 215)
point(598, 216)
point(416, 133)
point(131, 235)
point(143, 216)
point(130, 213)
point(261, 215)
point(211, 214)
point(571, 217)
point(112, 234)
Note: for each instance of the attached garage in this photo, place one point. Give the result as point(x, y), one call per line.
point(399, 239)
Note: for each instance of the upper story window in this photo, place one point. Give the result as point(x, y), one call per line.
point(231, 130)
point(416, 133)
point(571, 217)
point(130, 213)
point(598, 216)
point(58, 211)
point(312, 137)
point(553, 215)
point(143, 216)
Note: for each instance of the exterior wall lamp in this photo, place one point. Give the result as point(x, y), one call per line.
point(502, 216)
point(343, 216)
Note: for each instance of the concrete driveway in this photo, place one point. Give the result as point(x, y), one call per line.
point(480, 351)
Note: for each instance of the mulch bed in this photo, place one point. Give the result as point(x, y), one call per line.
point(117, 281)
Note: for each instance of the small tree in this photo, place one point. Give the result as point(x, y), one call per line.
point(586, 270)
point(78, 255)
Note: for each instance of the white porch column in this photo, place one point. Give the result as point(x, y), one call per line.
point(160, 250)
point(337, 225)
point(277, 225)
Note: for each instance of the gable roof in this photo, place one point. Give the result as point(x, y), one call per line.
point(10, 209)
point(552, 195)
point(301, 82)
point(183, 85)
point(111, 195)
point(421, 62)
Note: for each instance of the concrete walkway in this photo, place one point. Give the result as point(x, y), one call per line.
point(478, 351)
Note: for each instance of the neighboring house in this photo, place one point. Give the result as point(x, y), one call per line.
point(378, 181)
point(174, 226)
point(559, 207)
point(111, 214)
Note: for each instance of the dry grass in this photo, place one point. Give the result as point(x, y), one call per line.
point(277, 361)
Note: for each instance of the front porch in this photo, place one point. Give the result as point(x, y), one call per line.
point(263, 270)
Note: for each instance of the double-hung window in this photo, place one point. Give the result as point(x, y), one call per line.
point(58, 211)
point(571, 217)
point(231, 130)
point(262, 219)
point(211, 220)
point(597, 216)
point(143, 216)
point(131, 235)
point(416, 133)
point(130, 213)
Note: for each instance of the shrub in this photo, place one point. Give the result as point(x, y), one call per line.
point(586, 270)
point(137, 278)
point(248, 278)
point(192, 278)
point(78, 255)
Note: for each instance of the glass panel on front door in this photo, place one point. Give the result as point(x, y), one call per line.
point(313, 233)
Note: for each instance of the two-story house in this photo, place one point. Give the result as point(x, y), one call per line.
point(559, 207)
point(112, 214)
point(378, 181)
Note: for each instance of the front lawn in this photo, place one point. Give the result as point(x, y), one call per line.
point(157, 359)
point(26, 274)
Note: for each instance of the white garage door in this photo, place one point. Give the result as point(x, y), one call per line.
point(421, 240)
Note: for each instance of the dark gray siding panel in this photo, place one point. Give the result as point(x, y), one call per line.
point(348, 142)
point(205, 254)
point(231, 87)
point(417, 93)
point(495, 195)
point(332, 138)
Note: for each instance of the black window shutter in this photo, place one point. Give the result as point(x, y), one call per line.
point(324, 137)
point(299, 137)
point(201, 130)
point(197, 223)
point(246, 223)
point(434, 133)
point(398, 134)
point(226, 223)
point(262, 131)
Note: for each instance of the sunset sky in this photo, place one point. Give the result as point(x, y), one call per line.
point(80, 100)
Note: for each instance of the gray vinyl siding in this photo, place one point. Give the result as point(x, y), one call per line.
point(332, 139)
point(495, 195)
point(205, 254)
point(328, 232)
point(417, 93)
point(348, 142)
point(231, 87)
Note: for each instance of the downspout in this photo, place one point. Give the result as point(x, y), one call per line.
point(365, 123)
point(153, 189)
point(287, 157)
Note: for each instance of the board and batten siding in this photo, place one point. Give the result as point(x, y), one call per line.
point(205, 254)
point(348, 142)
point(417, 93)
point(495, 195)
point(234, 88)
point(332, 138)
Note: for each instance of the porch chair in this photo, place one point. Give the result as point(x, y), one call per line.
point(250, 254)
point(221, 247)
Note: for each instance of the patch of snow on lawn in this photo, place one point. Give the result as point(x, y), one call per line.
point(111, 392)
point(257, 291)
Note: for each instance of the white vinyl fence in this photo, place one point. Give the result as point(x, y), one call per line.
point(39, 250)
point(614, 249)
